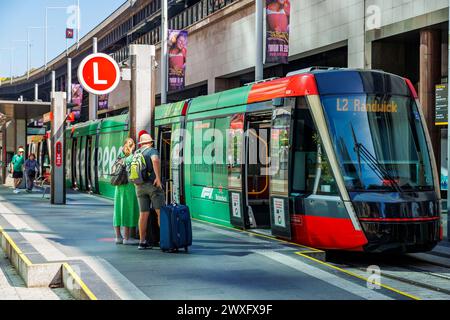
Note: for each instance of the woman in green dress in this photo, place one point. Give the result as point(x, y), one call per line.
point(126, 207)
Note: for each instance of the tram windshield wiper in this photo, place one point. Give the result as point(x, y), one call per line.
point(373, 163)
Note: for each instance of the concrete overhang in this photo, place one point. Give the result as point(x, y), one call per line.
point(24, 109)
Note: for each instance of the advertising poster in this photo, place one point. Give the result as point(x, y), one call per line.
point(103, 102)
point(277, 31)
point(177, 59)
point(77, 94)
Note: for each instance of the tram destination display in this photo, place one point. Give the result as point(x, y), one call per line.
point(441, 104)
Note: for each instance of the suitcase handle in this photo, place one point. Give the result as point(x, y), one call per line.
point(168, 191)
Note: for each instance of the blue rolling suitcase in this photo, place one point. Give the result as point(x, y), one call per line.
point(175, 228)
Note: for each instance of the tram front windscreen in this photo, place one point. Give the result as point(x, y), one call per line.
point(379, 142)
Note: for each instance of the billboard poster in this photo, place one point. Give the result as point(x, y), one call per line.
point(103, 102)
point(77, 94)
point(177, 59)
point(277, 31)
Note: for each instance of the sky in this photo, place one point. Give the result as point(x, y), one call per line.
point(17, 15)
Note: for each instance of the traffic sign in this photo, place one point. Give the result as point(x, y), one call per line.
point(59, 156)
point(99, 74)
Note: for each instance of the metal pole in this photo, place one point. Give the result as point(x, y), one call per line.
point(53, 83)
point(259, 63)
point(69, 80)
point(164, 35)
point(28, 53)
point(448, 138)
point(93, 99)
point(94, 45)
point(45, 37)
point(78, 24)
point(11, 63)
point(36, 92)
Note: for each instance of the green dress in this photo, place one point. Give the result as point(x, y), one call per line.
point(126, 206)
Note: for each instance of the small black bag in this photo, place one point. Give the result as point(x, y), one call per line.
point(153, 229)
point(119, 174)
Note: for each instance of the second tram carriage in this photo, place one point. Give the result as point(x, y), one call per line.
point(336, 159)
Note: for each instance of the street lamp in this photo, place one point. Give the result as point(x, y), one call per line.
point(29, 49)
point(46, 27)
point(46, 30)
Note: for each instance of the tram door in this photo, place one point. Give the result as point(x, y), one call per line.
point(164, 143)
point(87, 167)
point(236, 172)
point(83, 172)
point(93, 163)
point(74, 163)
point(280, 153)
point(258, 132)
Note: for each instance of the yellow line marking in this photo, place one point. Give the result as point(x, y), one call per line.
point(313, 250)
point(27, 261)
point(358, 276)
point(16, 248)
point(80, 282)
point(260, 235)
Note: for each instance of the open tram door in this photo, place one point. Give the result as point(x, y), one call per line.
point(170, 125)
point(280, 166)
point(248, 168)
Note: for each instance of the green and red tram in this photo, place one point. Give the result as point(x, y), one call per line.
point(336, 159)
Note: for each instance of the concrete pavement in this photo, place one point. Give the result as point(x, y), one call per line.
point(223, 263)
point(12, 287)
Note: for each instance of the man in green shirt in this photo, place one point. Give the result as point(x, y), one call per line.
point(16, 167)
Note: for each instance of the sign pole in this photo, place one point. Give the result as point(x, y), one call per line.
point(58, 186)
point(164, 49)
point(259, 64)
point(93, 101)
point(448, 138)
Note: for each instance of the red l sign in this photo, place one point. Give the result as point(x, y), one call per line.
point(58, 152)
point(99, 74)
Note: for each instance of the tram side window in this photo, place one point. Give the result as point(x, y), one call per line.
point(220, 168)
point(308, 176)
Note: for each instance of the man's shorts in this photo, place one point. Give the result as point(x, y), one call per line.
point(149, 194)
point(18, 175)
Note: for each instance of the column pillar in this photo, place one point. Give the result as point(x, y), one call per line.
point(430, 75)
point(21, 133)
point(142, 91)
point(58, 186)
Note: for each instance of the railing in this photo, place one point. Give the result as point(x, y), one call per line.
point(183, 20)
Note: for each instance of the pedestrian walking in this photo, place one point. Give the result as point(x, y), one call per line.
point(126, 207)
point(145, 173)
point(16, 168)
point(31, 169)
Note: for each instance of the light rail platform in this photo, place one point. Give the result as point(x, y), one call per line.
point(223, 263)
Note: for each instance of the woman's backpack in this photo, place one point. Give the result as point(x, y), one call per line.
point(119, 174)
point(137, 171)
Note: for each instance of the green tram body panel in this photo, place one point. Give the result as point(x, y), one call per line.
point(205, 179)
point(206, 175)
point(112, 133)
